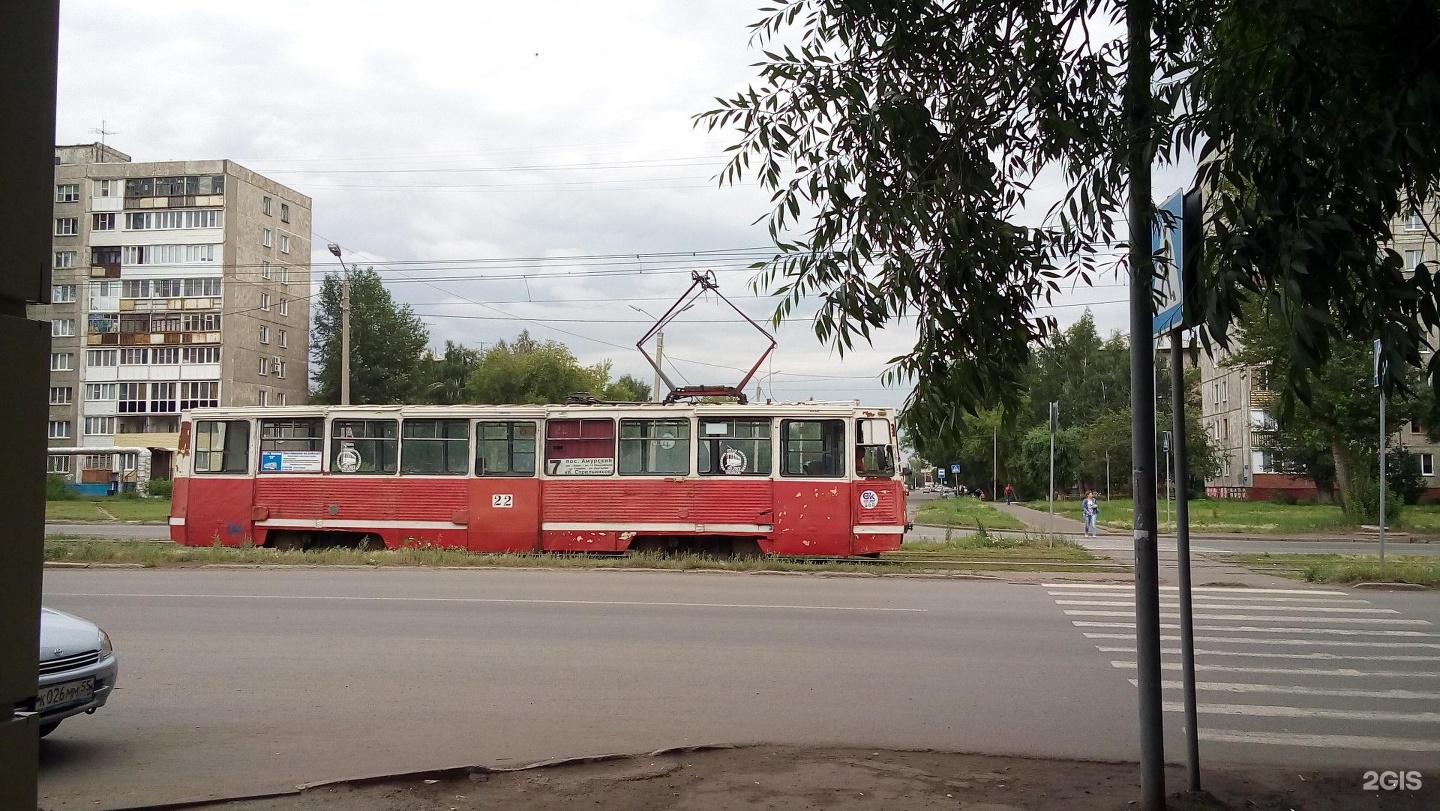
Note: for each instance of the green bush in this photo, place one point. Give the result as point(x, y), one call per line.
point(1363, 506)
point(1402, 473)
point(161, 488)
point(57, 488)
point(1282, 497)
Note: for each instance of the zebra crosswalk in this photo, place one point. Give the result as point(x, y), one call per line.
point(1282, 667)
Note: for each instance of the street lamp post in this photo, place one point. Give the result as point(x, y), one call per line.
point(344, 326)
point(659, 354)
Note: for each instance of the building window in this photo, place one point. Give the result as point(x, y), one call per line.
point(264, 270)
point(65, 259)
point(169, 254)
point(264, 334)
point(264, 366)
point(222, 446)
point(62, 328)
point(99, 426)
point(199, 394)
point(199, 322)
point(262, 398)
point(278, 367)
point(61, 395)
point(101, 391)
point(363, 446)
point(812, 448)
point(1225, 428)
point(1416, 427)
point(59, 429)
point(504, 449)
point(200, 354)
point(203, 287)
point(284, 274)
point(265, 302)
point(62, 293)
point(67, 226)
point(134, 357)
point(67, 192)
point(284, 306)
point(61, 361)
point(104, 221)
point(265, 204)
point(281, 336)
point(280, 397)
point(162, 398)
point(132, 398)
point(165, 355)
point(107, 188)
point(1427, 464)
point(1414, 222)
point(654, 447)
point(105, 256)
point(267, 237)
point(1413, 259)
point(1226, 467)
point(284, 212)
point(284, 243)
point(57, 463)
point(435, 447)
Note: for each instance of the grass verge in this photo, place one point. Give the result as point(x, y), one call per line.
point(1422, 570)
point(122, 509)
point(967, 555)
point(964, 512)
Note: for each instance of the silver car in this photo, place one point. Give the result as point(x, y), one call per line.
point(77, 668)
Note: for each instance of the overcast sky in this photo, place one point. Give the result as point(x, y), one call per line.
point(506, 166)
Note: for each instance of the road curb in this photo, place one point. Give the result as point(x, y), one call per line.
point(1391, 586)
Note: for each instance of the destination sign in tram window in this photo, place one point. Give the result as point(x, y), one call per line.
point(580, 447)
point(292, 445)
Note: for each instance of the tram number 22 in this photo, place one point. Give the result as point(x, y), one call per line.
point(502, 500)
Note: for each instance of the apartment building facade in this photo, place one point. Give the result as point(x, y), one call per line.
point(1238, 400)
point(174, 285)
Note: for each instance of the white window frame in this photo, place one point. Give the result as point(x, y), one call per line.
point(264, 334)
point(107, 188)
point(265, 302)
point(62, 293)
point(103, 392)
point(57, 463)
point(267, 237)
point(67, 226)
point(1427, 464)
point(284, 243)
point(62, 328)
point(262, 398)
point(67, 192)
point(264, 366)
point(66, 259)
point(62, 361)
point(284, 306)
point(266, 205)
point(102, 221)
point(281, 339)
point(1414, 222)
point(265, 269)
point(62, 395)
point(1414, 257)
point(112, 355)
point(59, 429)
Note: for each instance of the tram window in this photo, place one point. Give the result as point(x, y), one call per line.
point(291, 446)
point(363, 446)
point(222, 446)
point(436, 447)
point(873, 455)
point(580, 447)
point(734, 447)
point(504, 449)
point(654, 447)
point(812, 448)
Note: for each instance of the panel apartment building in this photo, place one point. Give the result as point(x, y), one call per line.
point(1237, 399)
point(175, 285)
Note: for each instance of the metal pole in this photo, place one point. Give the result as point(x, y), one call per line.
point(1382, 475)
point(1182, 557)
point(344, 334)
point(1052, 468)
point(1139, 16)
point(660, 359)
point(995, 461)
point(1107, 475)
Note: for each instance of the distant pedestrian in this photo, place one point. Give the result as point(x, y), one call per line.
point(1009, 495)
point(980, 494)
point(1090, 508)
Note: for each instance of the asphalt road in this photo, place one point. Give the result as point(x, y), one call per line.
point(240, 680)
point(126, 532)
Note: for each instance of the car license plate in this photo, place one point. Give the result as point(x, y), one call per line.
point(68, 693)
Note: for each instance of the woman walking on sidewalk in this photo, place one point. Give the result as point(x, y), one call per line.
point(1090, 508)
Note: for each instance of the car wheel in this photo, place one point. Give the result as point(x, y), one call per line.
point(46, 729)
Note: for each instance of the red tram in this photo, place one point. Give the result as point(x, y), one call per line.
point(782, 478)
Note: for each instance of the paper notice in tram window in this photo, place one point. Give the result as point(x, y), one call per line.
point(582, 467)
point(290, 462)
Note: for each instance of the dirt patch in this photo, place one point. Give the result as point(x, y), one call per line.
point(775, 778)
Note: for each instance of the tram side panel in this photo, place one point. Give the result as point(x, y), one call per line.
point(218, 509)
point(812, 517)
point(878, 510)
point(503, 514)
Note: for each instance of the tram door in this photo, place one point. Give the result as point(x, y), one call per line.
point(812, 509)
point(504, 492)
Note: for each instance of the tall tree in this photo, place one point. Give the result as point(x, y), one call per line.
point(901, 141)
point(628, 389)
point(529, 371)
point(447, 376)
point(387, 343)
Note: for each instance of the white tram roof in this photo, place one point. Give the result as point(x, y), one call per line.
point(809, 407)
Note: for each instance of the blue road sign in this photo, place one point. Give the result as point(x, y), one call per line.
point(1168, 235)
